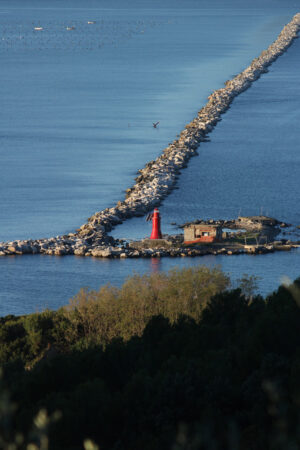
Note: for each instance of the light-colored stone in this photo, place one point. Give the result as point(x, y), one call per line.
point(80, 251)
point(102, 253)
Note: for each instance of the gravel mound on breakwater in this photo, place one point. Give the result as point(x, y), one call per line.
point(157, 179)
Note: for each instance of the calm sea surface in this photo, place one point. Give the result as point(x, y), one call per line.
point(77, 105)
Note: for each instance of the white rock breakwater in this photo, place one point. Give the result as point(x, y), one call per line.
point(158, 177)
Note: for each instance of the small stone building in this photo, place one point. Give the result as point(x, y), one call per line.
point(202, 233)
point(256, 222)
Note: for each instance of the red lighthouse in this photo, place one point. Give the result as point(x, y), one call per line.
point(156, 233)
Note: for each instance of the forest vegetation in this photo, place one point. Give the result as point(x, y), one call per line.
point(178, 361)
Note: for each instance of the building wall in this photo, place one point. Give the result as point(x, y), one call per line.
point(189, 233)
point(202, 233)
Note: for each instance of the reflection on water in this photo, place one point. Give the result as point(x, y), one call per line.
point(155, 265)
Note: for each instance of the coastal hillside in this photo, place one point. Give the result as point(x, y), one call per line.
point(167, 361)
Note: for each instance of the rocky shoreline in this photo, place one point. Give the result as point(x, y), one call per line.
point(157, 179)
point(63, 246)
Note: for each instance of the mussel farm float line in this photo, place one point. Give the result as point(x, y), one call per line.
point(158, 177)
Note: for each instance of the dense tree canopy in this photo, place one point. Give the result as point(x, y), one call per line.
point(170, 361)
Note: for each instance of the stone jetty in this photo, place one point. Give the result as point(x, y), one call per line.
point(157, 179)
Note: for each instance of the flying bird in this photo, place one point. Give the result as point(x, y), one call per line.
point(155, 124)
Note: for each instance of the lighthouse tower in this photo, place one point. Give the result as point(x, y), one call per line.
point(156, 233)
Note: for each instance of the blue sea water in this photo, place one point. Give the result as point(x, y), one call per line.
point(76, 116)
point(251, 165)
